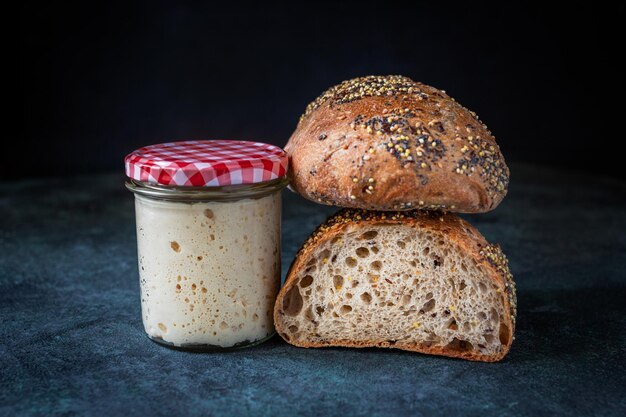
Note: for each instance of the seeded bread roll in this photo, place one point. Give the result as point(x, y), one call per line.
point(414, 280)
point(390, 143)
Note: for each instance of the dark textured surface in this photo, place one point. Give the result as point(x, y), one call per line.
point(71, 339)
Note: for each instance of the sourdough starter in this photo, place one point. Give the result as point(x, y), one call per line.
point(209, 271)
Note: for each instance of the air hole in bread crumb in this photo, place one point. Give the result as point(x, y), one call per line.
point(462, 286)
point(375, 249)
point(306, 281)
point(482, 287)
point(319, 310)
point(351, 262)
point(437, 261)
point(488, 337)
point(292, 302)
point(335, 239)
point(338, 282)
point(482, 315)
point(369, 235)
point(426, 251)
point(293, 329)
point(504, 334)
point(452, 324)
point(324, 256)
point(428, 306)
point(175, 246)
point(406, 299)
point(429, 295)
point(208, 213)
point(345, 309)
point(401, 244)
point(377, 265)
point(366, 297)
point(459, 345)
point(349, 295)
point(464, 267)
point(362, 252)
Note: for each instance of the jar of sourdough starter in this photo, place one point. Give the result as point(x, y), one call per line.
point(208, 239)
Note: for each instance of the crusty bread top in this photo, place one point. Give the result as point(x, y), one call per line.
point(389, 143)
point(447, 223)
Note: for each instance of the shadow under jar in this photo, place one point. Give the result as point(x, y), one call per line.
point(208, 217)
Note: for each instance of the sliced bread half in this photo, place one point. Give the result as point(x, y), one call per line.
point(420, 281)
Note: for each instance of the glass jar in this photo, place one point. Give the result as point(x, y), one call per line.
point(209, 256)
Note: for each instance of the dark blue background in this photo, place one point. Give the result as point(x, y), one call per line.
point(72, 341)
point(98, 80)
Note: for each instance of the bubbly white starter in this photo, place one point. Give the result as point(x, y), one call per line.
point(209, 271)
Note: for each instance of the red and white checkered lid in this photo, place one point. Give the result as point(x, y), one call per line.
point(207, 163)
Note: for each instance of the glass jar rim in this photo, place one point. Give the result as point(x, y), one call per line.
point(197, 194)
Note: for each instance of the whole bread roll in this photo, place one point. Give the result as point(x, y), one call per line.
point(413, 280)
point(390, 143)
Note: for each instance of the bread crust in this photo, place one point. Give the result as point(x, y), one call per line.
point(489, 256)
point(389, 143)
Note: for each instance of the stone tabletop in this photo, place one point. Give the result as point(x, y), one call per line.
point(72, 342)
